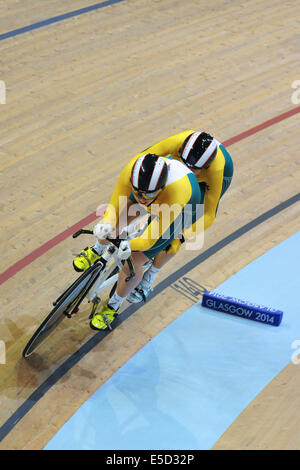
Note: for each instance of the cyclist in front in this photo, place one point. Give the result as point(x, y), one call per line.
point(157, 183)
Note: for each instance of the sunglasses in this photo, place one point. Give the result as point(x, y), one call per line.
point(146, 194)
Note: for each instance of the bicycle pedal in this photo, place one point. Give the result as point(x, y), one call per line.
point(107, 321)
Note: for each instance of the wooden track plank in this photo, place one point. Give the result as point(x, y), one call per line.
point(278, 430)
point(87, 94)
point(95, 368)
point(17, 14)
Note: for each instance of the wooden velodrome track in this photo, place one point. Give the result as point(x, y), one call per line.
point(84, 95)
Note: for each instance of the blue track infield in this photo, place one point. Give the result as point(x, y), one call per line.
point(185, 387)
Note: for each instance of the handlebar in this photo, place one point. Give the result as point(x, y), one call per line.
point(81, 231)
point(114, 241)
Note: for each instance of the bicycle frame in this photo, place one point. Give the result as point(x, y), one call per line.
point(104, 280)
point(89, 284)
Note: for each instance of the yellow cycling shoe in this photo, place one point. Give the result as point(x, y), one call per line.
point(103, 318)
point(85, 259)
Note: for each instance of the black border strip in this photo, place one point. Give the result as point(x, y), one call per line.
point(95, 340)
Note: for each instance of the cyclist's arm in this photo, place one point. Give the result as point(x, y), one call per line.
point(169, 146)
point(209, 208)
point(214, 180)
point(119, 197)
point(211, 200)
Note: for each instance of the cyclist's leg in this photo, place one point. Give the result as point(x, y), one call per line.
point(161, 255)
point(108, 311)
point(144, 287)
point(164, 256)
point(123, 287)
point(139, 259)
point(227, 175)
point(128, 215)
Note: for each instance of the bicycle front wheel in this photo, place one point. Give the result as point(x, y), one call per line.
point(66, 302)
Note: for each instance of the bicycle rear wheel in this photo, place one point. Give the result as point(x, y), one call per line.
point(72, 297)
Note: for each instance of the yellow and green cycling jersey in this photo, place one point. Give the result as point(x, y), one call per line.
point(181, 189)
point(177, 206)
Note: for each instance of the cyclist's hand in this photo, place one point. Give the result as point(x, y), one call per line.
point(102, 230)
point(124, 250)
